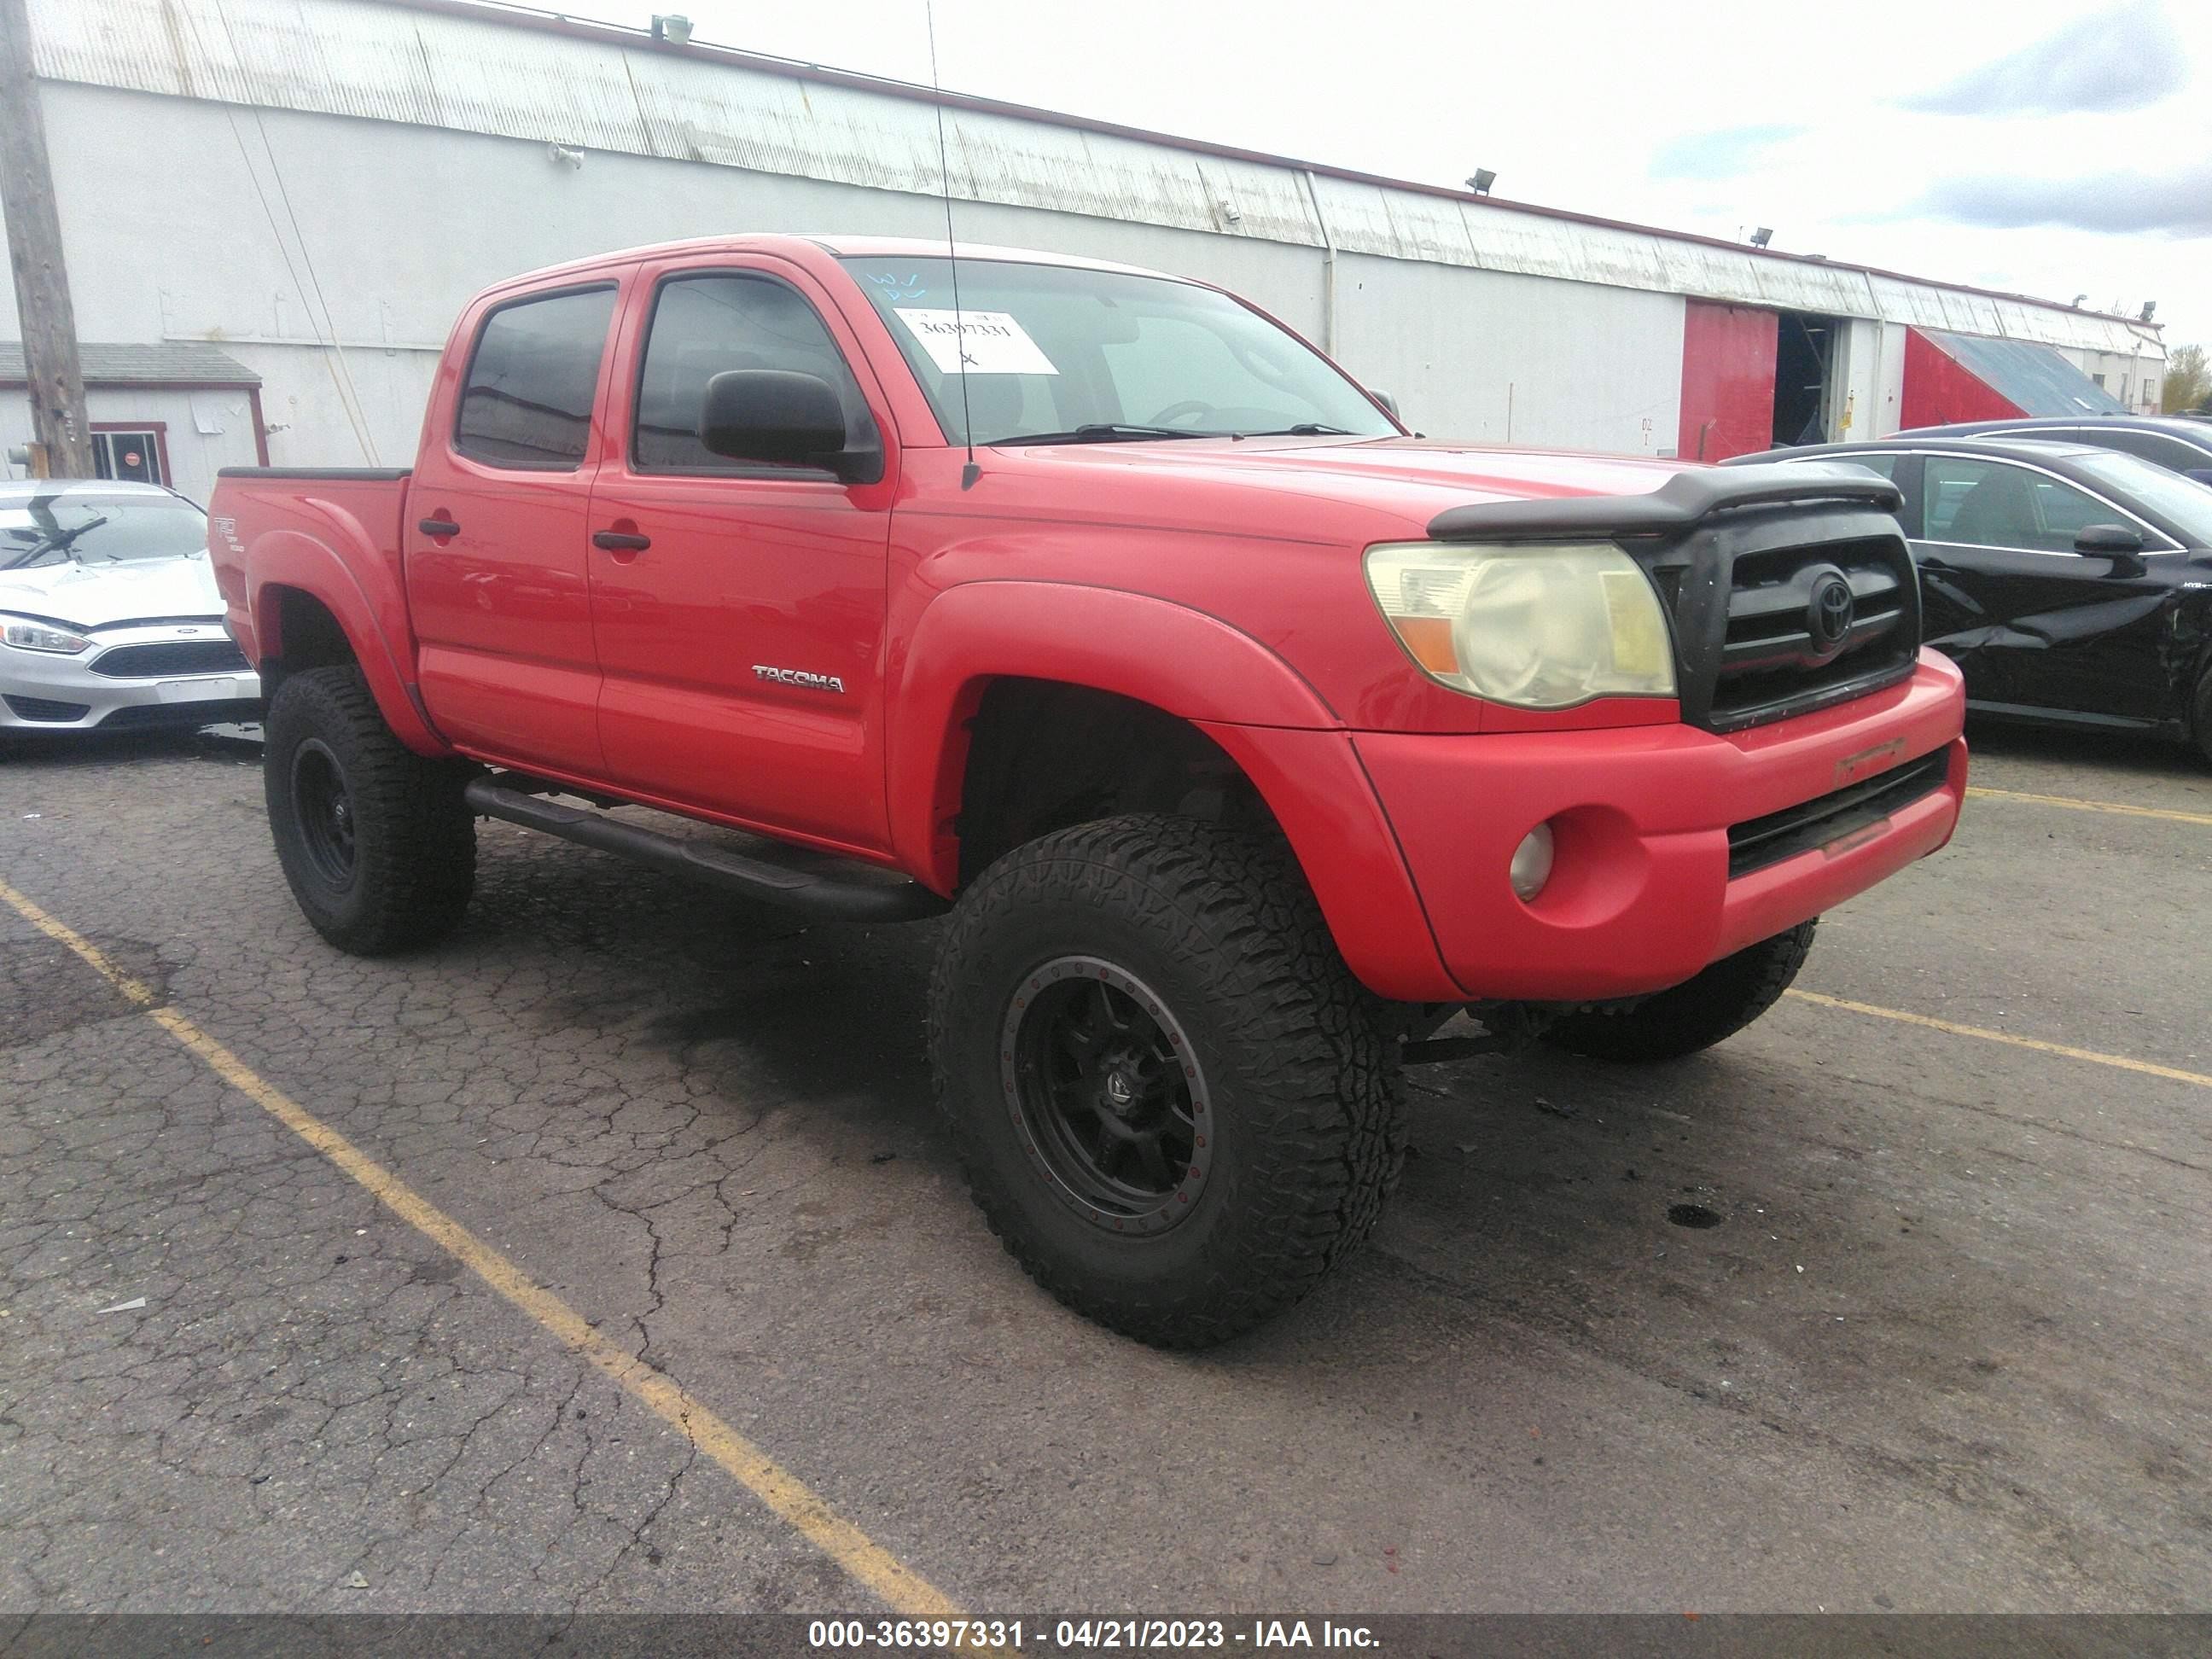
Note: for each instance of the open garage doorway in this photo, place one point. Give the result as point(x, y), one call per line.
point(1806, 355)
point(1754, 378)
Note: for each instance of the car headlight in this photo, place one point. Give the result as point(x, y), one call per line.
point(1536, 624)
point(42, 636)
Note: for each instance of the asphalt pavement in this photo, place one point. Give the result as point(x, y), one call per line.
point(1939, 1343)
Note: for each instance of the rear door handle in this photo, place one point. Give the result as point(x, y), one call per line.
point(439, 527)
point(621, 541)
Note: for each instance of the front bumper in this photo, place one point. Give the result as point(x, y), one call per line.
point(1640, 896)
point(42, 691)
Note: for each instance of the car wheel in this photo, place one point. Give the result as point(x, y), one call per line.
point(375, 840)
point(1696, 1014)
point(1174, 1105)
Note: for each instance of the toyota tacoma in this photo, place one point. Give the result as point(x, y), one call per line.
point(1240, 739)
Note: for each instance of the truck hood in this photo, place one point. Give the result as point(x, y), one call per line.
point(1406, 478)
point(97, 593)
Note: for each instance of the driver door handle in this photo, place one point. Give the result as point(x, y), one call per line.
point(621, 541)
point(439, 527)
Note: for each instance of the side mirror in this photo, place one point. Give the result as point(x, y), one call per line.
point(786, 418)
point(2116, 542)
point(1388, 403)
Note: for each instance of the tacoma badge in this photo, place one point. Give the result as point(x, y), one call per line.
point(800, 677)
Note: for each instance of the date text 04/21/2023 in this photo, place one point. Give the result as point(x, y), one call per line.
point(1087, 1635)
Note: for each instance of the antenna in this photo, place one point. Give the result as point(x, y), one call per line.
point(970, 472)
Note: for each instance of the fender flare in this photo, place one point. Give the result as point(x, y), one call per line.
point(1179, 660)
point(1262, 712)
point(374, 623)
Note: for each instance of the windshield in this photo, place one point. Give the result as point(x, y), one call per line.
point(1061, 355)
point(96, 530)
point(2183, 503)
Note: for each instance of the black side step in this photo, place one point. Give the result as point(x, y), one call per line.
point(853, 892)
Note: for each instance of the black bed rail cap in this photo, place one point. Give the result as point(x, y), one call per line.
point(334, 474)
point(1681, 503)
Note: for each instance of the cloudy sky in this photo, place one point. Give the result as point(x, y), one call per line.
point(2033, 146)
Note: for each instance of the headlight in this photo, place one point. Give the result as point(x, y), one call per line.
point(1536, 624)
point(38, 636)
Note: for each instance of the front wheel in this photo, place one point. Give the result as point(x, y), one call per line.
point(1695, 1014)
point(375, 840)
point(1174, 1105)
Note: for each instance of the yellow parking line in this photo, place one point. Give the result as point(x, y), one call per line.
point(2037, 1043)
point(868, 1563)
point(2080, 805)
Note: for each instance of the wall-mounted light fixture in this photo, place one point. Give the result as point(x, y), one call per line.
point(1480, 181)
point(1761, 235)
point(2150, 306)
point(561, 156)
point(673, 28)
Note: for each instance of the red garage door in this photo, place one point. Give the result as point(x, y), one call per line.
point(1727, 381)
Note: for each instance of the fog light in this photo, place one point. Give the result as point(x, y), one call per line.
point(1532, 863)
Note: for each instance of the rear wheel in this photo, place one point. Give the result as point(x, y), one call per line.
point(1697, 1013)
point(375, 840)
point(1174, 1105)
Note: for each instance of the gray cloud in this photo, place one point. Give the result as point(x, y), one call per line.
point(2123, 59)
point(2177, 204)
point(1722, 154)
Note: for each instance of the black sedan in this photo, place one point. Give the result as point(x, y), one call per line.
point(2175, 442)
point(2072, 585)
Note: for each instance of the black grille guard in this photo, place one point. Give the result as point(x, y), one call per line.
point(1681, 504)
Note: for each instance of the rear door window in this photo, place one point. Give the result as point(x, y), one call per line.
point(533, 380)
point(2153, 446)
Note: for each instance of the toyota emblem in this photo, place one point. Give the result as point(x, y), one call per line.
point(1828, 617)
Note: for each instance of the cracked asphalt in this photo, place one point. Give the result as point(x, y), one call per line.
point(1944, 1349)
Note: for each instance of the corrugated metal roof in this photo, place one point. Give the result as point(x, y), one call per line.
point(2034, 379)
point(177, 364)
point(557, 80)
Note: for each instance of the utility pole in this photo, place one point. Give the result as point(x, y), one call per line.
point(62, 432)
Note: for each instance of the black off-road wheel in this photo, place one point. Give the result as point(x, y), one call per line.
point(376, 841)
point(1174, 1105)
point(1695, 1014)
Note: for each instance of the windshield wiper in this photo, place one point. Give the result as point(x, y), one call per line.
point(57, 541)
point(1303, 430)
point(1106, 432)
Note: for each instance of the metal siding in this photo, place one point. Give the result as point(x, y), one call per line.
point(383, 63)
point(1499, 357)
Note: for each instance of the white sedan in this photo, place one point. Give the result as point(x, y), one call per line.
point(109, 616)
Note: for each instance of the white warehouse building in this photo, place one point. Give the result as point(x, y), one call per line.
point(272, 210)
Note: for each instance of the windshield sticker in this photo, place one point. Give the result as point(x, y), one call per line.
point(895, 287)
point(975, 341)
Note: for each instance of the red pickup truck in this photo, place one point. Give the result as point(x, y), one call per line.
point(1244, 736)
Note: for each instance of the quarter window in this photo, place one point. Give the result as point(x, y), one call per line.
point(704, 325)
point(535, 374)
